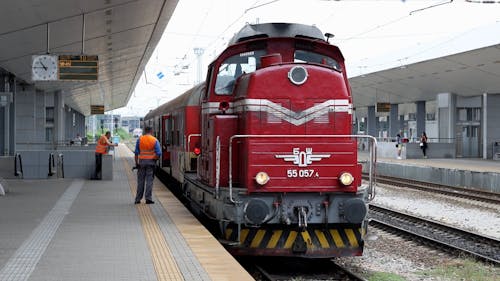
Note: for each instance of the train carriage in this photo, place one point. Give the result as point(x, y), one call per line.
point(264, 147)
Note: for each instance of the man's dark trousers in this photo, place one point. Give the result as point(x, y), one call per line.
point(145, 174)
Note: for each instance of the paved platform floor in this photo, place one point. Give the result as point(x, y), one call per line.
point(74, 229)
point(469, 164)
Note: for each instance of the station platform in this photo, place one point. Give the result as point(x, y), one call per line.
point(75, 229)
point(483, 174)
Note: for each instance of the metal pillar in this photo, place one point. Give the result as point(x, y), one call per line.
point(420, 117)
point(394, 127)
point(485, 126)
point(59, 118)
point(371, 122)
point(7, 89)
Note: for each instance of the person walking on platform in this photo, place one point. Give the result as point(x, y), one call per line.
point(101, 148)
point(423, 143)
point(147, 151)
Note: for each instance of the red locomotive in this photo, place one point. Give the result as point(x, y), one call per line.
point(264, 146)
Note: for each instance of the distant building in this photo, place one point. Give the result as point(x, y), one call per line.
point(131, 123)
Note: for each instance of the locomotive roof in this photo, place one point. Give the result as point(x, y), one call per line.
point(267, 30)
point(190, 97)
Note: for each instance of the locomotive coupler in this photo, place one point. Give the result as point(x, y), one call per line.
point(302, 216)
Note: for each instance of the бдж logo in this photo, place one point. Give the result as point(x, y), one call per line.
point(303, 158)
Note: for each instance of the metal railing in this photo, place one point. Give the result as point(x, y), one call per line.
point(18, 159)
point(188, 154)
point(60, 163)
point(52, 165)
point(371, 167)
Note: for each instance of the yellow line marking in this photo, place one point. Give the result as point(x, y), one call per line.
point(273, 242)
point(163, 261)
point(336, 238)
point(352, 237)
point(290, 239)
point(322, 239)
point(257, 238)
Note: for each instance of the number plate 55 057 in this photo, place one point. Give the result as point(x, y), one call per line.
point(294, 173)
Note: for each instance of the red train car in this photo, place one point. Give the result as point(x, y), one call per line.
point(264, 146)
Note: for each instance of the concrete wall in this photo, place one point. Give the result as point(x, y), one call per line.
point(453, 177)
point(30, 117)
point(413, 150)
point(31, 120)
point(434, 150)
point(7, 167)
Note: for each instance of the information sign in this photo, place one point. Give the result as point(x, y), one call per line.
point(96, 109)
point(383, 107)
point(78, 67)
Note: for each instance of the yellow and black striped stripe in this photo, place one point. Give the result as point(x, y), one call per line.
point(340, 239)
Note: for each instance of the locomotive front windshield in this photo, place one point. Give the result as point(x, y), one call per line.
point(235, 66)
point(312, 57)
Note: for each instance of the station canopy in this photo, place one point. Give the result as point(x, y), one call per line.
point(122, 33)
point(468, 65)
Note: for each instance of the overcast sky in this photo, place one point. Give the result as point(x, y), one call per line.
point(372, 35)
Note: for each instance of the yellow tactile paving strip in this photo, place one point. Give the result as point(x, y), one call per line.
point(163, 261)
point(216, 261)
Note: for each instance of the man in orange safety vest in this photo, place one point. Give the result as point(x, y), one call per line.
point(101, 148)
point(147, 151)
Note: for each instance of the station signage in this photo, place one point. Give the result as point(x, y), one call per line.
point(383, 107)
point(96, 109)
point(78, 68)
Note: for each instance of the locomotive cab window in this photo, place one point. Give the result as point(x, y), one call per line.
point(312, 57)
point(235, 66)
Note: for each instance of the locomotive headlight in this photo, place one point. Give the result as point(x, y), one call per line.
point(262, 178)
point(298, 75)
point(346, 178)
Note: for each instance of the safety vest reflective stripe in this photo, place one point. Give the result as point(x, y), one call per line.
point(147, 147)
point(102, 145)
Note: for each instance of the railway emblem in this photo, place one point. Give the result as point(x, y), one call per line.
point(303, 158)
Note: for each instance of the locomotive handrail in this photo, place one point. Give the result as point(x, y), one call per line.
point(189, 140)
point(217, 167)
point(371, 167)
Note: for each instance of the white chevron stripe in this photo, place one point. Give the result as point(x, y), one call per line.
point(296, 118)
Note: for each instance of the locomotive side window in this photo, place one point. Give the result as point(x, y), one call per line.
point(311, 57)
point(235, 66)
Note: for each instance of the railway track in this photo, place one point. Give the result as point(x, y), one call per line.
point(444, 236)
point(467, 193)
point(274, 269)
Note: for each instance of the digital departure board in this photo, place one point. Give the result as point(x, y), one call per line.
point(96, 109)
point(78, 67)
point(383, 107)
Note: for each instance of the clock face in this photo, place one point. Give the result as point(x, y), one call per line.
point(44, 68)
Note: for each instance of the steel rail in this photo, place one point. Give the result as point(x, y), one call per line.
point(481, 247)
point(461, 192)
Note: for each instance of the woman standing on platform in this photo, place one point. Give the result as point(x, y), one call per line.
point(399, 145)
point(423, 143)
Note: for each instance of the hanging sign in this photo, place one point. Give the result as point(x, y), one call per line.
point(78, 67)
